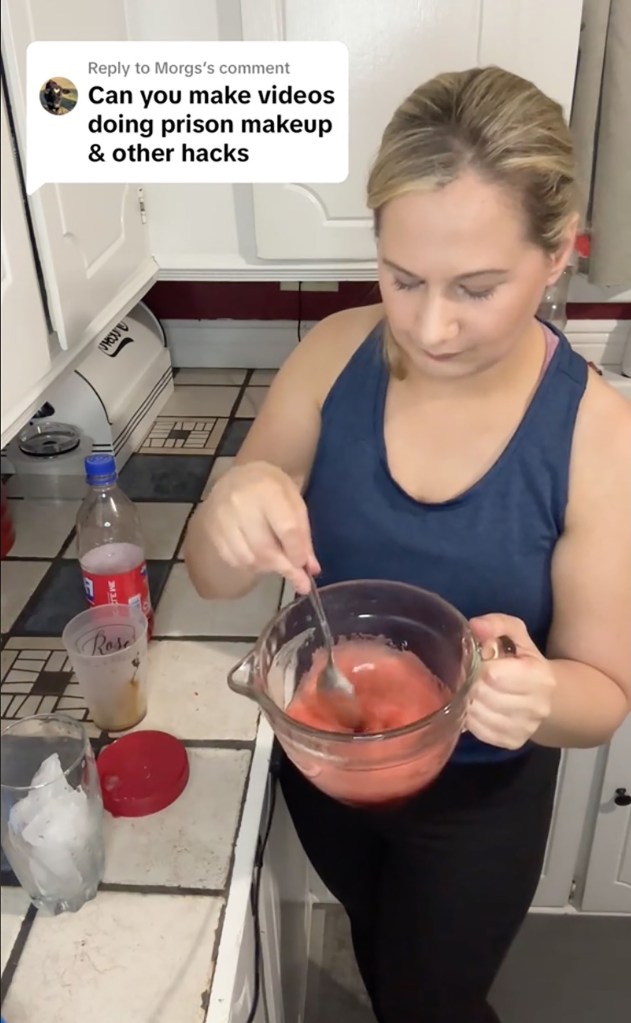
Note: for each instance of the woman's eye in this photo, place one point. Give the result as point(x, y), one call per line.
point(479, 294)
point(475, 295)
point(403, 285)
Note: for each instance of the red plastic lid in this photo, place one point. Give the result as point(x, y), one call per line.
point(142, 773)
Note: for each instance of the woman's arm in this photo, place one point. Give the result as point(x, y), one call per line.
point(589, 646)
point(284, 436)
point(279, 451)
point(580, 692)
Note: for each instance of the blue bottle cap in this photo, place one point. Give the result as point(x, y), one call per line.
point(100, 468)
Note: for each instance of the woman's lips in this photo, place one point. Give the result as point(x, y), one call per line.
point(442, 358)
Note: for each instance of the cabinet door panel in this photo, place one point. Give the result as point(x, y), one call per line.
point(566, 830)
point(25, 343)
point(91, 240)
point(608, 881)
point(392, 49)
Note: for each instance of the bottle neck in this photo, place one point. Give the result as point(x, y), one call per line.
point(103, 485)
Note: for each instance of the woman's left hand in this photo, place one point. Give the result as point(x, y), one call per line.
point(513, 695)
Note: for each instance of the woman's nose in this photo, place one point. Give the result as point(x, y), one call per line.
point(436, 324)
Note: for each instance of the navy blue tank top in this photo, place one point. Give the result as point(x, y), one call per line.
point(487, 550)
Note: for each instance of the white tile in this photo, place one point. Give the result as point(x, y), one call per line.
point(7, 658)
point(189, 844)
point(201, 401)
point(14, 903)
point(189, 695)
point(123, 957)
point(181, 612)
point(220, 466)
point(35, 647)
point(251, 402)
point(233, 377)
point(19, 579)
point(263, 376)
point(41, 526)
point(162, 524)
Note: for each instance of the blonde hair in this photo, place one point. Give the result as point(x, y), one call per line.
point(494, 123)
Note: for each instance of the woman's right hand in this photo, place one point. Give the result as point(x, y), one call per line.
point(258, 521)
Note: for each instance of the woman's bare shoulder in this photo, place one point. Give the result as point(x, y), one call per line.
point(601, 452)
point(330, 344)
point(604, 414)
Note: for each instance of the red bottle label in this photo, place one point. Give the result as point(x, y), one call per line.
point(120, 588)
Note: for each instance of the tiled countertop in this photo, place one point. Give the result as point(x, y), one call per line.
point(164, 926)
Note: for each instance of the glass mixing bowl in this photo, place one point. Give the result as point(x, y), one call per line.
point(375, 769)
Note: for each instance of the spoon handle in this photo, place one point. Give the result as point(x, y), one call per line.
point(322, 619)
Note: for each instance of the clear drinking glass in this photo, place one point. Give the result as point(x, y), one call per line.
point(52, 811)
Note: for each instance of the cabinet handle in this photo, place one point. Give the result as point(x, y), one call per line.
point(622, 798)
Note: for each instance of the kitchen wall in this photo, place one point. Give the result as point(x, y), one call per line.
point(210, 300)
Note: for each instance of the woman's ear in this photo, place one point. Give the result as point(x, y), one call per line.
point(560, 259)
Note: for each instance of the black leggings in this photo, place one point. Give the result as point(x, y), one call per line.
point(435, 890)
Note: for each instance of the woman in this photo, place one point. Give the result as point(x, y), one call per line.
point(449, 439)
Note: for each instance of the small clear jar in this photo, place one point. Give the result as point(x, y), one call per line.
point(553, 305)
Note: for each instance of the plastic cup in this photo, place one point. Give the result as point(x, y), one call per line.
point(107, 647)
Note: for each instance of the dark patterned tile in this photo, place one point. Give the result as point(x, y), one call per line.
point(158, 572)
point(164, 478)
point(62, 597)
point(188, 436)
point(233, 437)
point(37, 679)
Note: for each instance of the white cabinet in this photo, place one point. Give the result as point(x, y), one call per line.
point(608, 879)
point(284, 911)
point(567, 827)
point(287, 868)
point(318, 231)
point(91, 239)
point(25, 342)
point(245, 981)
point(392, 49)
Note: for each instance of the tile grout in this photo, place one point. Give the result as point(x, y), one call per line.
point(16, 952)
point(120, 887)
point(26, 557)
point(230, 745)
point(202, 637)
point(226, 386)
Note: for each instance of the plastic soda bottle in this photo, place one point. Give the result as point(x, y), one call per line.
point(110, 543)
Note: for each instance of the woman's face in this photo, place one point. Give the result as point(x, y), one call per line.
point(460, 282)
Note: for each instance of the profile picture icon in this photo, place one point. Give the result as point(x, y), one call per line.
point(58, 96)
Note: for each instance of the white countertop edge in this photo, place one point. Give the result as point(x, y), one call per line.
point(237, 904)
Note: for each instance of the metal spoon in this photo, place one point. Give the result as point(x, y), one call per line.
point(331, 684)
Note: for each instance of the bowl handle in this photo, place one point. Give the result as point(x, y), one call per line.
point(503, 646)
point(241, 677)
